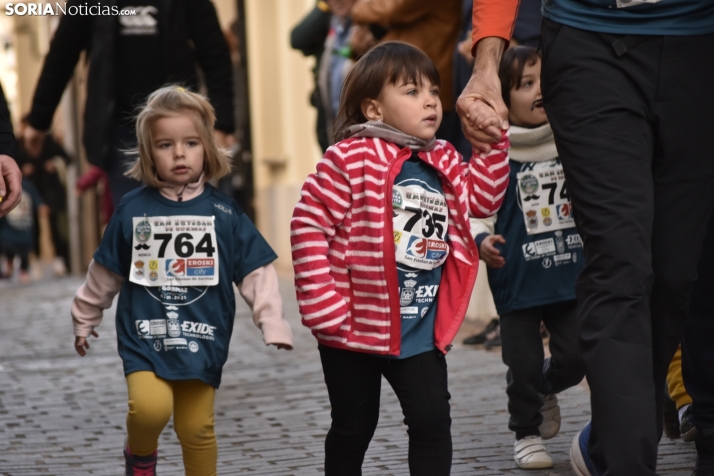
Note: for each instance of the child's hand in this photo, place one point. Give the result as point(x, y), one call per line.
point(485, 127)
point(490, 254)
point(81, 344)
point(283, 346)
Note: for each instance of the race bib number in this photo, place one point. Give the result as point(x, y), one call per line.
point(545, 201)
point(420, 219)
point(176, 250)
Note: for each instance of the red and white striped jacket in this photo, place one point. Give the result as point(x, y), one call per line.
point(343, 247)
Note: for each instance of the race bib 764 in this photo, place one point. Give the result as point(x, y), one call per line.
point(174, 250)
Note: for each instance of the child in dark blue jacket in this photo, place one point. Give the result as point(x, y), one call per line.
point(534, 255)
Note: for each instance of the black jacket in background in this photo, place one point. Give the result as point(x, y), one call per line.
point(190, 34)
point(7, 138)
point(308, 37)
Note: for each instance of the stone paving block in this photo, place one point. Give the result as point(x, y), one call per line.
point(64, 415)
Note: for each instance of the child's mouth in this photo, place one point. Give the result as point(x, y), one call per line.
point(537, 103)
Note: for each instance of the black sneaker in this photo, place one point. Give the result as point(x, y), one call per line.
point(671, 418)
point(687, 428)
point(481, 337)
point(493, 339)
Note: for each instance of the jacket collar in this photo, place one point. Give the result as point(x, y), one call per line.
point(182, 193)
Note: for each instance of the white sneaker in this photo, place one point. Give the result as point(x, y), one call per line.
point(550, 411)
point(530, 453)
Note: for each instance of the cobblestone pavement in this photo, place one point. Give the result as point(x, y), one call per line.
point(62, 415)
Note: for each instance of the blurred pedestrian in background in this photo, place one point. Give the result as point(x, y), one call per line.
point(130, 56)
point(338, 58)
point(309, 36)
point(47, 171)
point(431, 26)
point(96, 178)
point(19, 229)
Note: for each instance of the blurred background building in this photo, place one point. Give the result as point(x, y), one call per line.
point(276, 144)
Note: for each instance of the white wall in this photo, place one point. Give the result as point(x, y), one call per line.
point(285, 147)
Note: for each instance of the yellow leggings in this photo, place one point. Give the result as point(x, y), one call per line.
point(675, 383)
point(152, 400)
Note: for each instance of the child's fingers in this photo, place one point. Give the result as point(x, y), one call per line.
point(94, 333)
point(80, 345)
point(283, 346)
point(482, 115)
point(480, 140)
point(499, 263)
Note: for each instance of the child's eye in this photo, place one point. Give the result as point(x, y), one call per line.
point(192, 143)
point(412, 92)
point(435, 92)
point(164, 145)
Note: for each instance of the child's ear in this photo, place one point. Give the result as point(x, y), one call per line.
point(372, 109)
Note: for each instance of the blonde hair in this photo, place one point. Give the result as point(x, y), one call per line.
point(171, 101)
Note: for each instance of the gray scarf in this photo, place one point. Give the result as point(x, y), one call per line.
point(381, 130)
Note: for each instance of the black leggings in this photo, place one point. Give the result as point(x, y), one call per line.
point(354, 383)
point(522, 351)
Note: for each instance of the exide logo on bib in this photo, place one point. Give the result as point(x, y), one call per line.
point(200, 267)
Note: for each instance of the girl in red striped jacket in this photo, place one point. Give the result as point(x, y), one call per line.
point(383, 256)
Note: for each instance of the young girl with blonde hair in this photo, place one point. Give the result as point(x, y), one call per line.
point(174, 248)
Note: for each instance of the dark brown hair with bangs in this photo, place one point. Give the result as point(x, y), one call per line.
point(392, 62)
point(510, 71)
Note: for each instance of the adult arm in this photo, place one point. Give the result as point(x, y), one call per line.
point(390, 12)
point(72, 36)
point(214, 58)
point(260, 291)
point(480, 105)
point(309, 35)
point(10, 176)
point(7, 137)
point(325, 199)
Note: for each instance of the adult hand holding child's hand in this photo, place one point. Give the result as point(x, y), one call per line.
point(480, 106)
